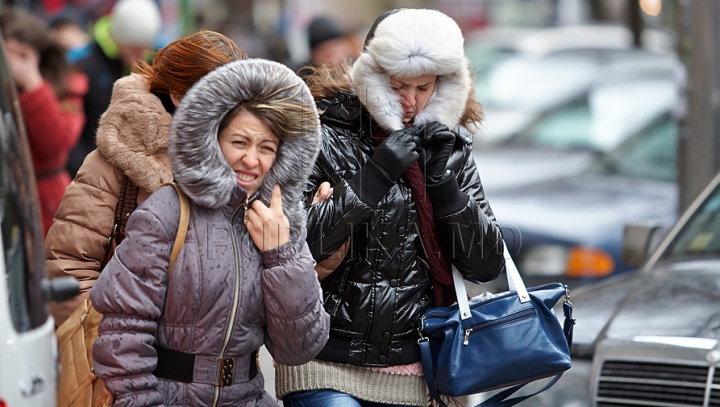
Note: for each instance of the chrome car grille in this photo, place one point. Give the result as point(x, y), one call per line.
point(631, 375)
point(625, 383)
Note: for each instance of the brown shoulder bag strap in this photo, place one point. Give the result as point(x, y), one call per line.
point(126, 204)
point(125, 207)
point(182, 226)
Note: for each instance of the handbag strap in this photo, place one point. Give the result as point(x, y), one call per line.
point(126, 204)
point(428, 369)
point(515, 283)
point(182, 226)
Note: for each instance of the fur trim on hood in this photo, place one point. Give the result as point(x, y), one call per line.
point(133, 133)
point(408, 43)
point(199, 167)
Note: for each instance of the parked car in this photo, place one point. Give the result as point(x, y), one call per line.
point(28, 349)
point(651, 337)
point(569, 229)
point(523, 73)
point(559, 128)
point(570, 180)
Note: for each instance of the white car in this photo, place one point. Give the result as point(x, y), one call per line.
point(28, 349)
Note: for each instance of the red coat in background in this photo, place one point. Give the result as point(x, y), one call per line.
point(53, 128)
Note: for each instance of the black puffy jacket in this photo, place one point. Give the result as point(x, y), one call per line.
point(378, 293)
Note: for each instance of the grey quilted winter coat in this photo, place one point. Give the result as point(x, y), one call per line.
point(224, 298)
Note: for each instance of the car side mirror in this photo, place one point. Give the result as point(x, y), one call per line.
point(639, 240)
point(60, 289)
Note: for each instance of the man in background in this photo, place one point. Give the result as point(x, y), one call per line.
point(127, 33)
point(329, 45)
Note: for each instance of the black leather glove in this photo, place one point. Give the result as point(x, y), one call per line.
point(397, 152)
point(436, 143)
point(391, 158)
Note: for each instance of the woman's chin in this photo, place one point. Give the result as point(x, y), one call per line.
point(248, 186)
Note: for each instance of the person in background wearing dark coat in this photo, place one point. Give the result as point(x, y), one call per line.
point(71, 36)
point(50, 94)
point(127, 34)
point(329, 45)
point(405, 196)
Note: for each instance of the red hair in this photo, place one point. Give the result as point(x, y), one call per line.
point(180, 64)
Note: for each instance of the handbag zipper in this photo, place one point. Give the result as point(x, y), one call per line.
point(443, 312)
point(527, 313)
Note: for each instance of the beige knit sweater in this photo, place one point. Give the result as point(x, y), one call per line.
point(362, 383)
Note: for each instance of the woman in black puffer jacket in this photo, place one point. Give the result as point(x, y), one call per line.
point(407, 197)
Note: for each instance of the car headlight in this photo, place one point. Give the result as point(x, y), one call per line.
point(576, 261)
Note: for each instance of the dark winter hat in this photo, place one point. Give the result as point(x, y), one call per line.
point(322, 29)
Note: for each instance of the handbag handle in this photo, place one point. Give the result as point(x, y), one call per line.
point(515, 283)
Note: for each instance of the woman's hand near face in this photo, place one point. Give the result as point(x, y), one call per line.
point(24, 63)
point(269, 228)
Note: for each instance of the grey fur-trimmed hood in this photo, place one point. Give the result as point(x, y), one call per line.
point(407, 43)
point(198, 165)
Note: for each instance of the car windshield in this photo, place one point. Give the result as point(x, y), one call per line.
point(534, 84)
point(565, 128)
point(651, 154)
point(602, 119)
point(700, 237)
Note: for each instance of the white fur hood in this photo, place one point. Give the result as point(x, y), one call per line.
point(407, 43)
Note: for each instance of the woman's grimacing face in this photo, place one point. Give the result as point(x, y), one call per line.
point(249, 146)
point(414, 92)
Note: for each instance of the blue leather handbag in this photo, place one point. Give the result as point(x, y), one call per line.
point(495, 341)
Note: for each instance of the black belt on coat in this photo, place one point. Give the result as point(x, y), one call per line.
point(189, 368)
point(49, 173)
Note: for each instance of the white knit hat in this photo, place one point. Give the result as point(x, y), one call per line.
point(135, 22)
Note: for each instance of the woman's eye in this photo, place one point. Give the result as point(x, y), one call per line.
point(423, 89)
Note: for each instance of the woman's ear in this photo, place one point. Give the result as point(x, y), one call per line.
point(175, 99)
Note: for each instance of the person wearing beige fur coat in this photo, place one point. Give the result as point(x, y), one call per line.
point(132, 141)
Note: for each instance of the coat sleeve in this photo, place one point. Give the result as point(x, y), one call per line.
point(75, 244)
point(331, 222)
point(56, 123)
point(297, 324)
point(471, 237)
point(130, 293)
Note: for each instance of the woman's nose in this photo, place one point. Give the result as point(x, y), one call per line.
point(250, 158)
point(408, 98)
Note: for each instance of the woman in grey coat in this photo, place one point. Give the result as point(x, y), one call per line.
point(241, 143)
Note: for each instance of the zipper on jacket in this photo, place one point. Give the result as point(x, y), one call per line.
point(236, 292)
point(518, 316)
